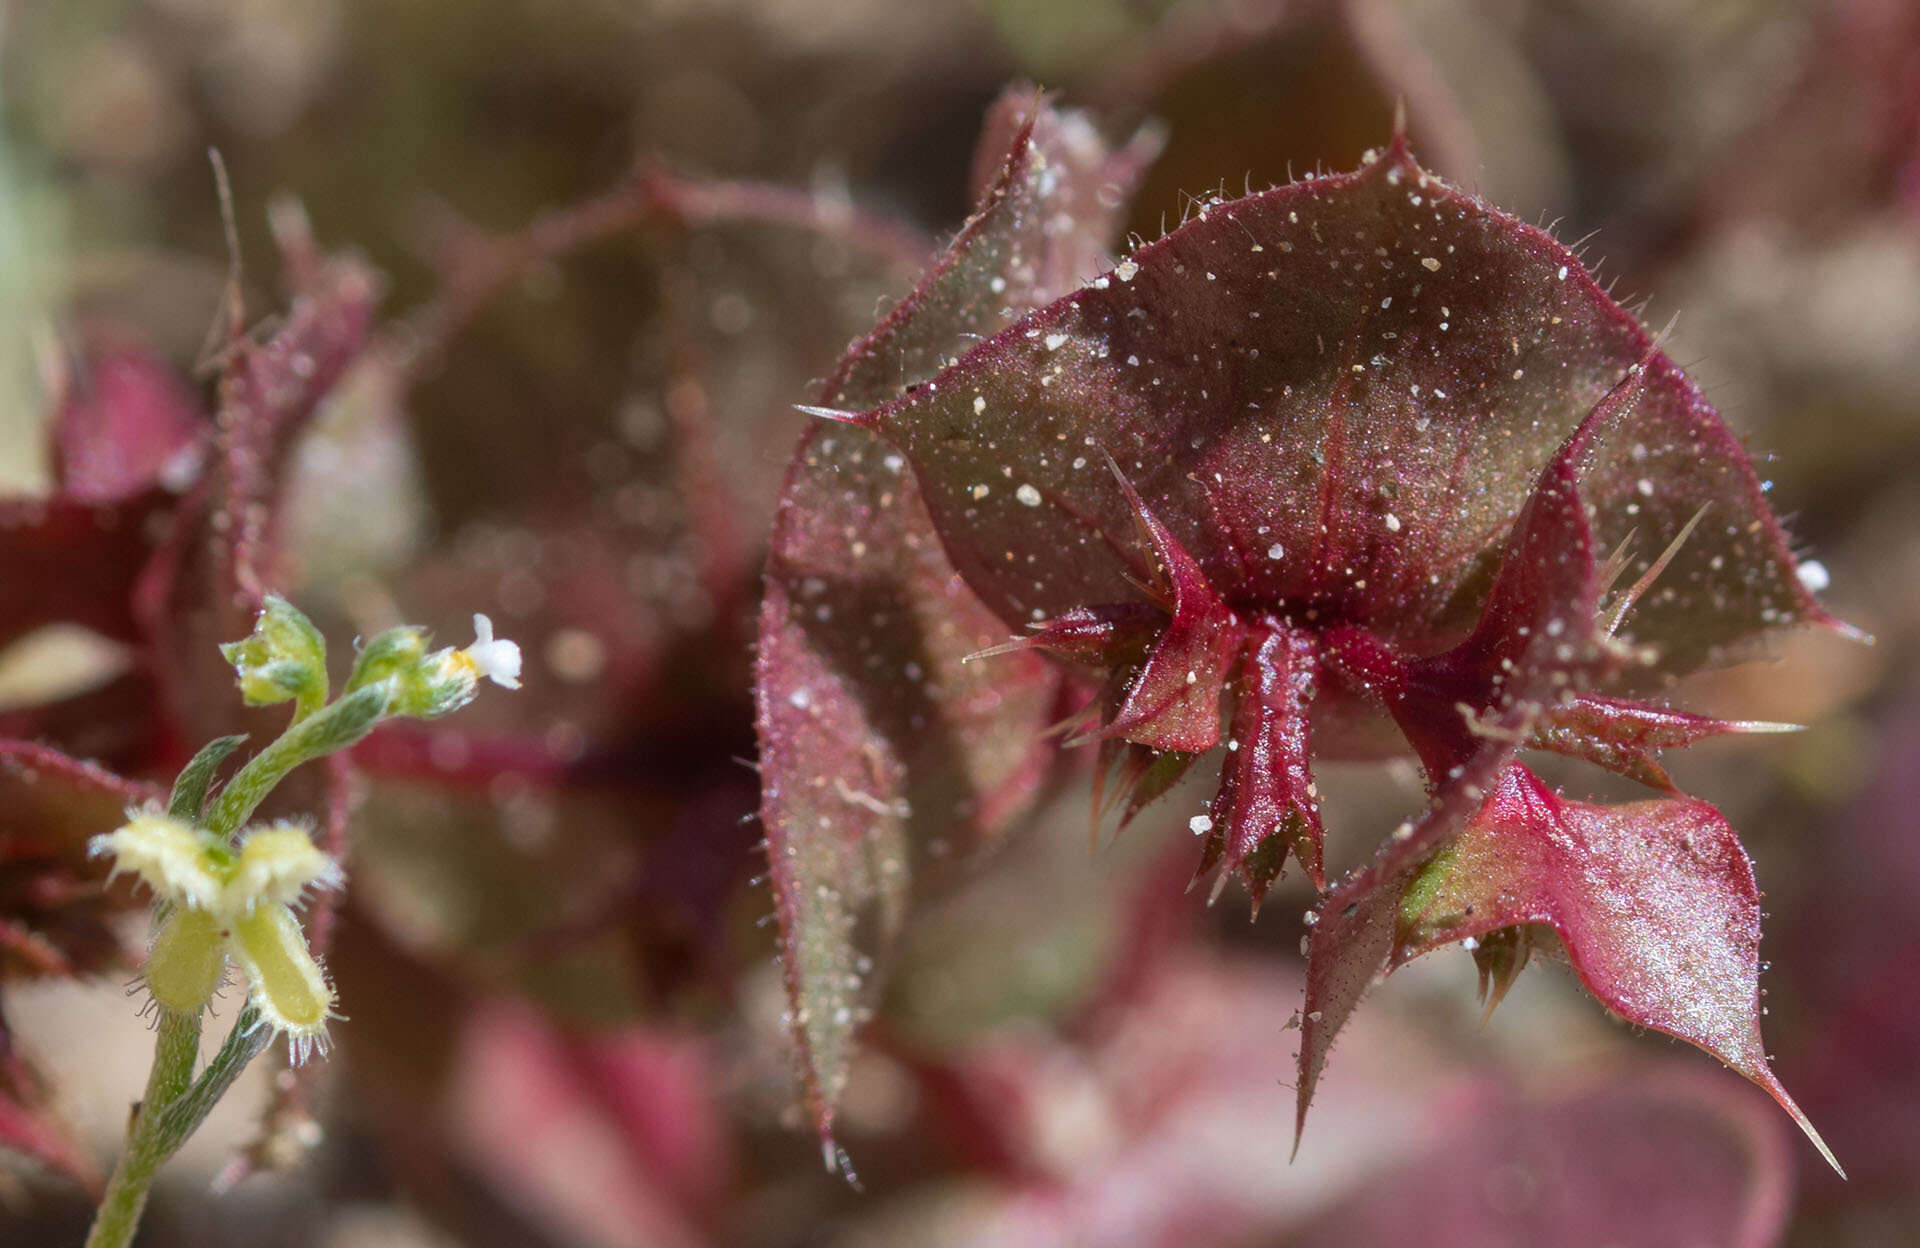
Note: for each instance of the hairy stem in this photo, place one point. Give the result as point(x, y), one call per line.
point(323, 732)
point(176, 1104)
point(175, 1050)
point(474, 265)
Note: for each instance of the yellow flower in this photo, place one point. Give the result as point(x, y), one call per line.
point(224, 902)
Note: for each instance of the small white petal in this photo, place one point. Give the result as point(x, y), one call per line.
point(496, 659)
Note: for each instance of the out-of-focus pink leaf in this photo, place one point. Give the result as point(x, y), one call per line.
point(55, 906)
point(1667, 1161)
point(66, 561)
point(1160, 1130)
point(56, 914)
point(29, 1126)
point(608, 1139)
point(125, 424)
point(118, 723)
point(1165, 1127)
point(126, 438)
point(878, 742)
point(1849, 953)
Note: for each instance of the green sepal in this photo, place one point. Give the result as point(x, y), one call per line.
point(1500, 956)
point(398, 652)
point(425, 685)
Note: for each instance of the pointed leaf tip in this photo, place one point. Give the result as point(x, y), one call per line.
point(1779, 1094)
point(1654, 902)
point(863, 420)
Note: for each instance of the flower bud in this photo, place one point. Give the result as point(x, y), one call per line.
point(283, 658)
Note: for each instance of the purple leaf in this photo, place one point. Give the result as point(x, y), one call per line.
point(1627, 737)
point(1173, 701)
point(877, 738)
point(1267, 803)
point(1337, 396)
point(1351, 942)
point(1661, 1160)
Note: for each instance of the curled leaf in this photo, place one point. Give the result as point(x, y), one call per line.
point(879, 741)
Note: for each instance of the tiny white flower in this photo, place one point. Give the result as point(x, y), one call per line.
point(496, 659)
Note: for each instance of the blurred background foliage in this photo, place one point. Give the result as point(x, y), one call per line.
point(565, 1023)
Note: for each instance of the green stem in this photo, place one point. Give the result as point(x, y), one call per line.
point(174, 1052)
point(126, 1199)
point(183, 1117)
point(175, 1106)
point(322, 732)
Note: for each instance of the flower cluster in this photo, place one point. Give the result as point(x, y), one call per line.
point(228, 891)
